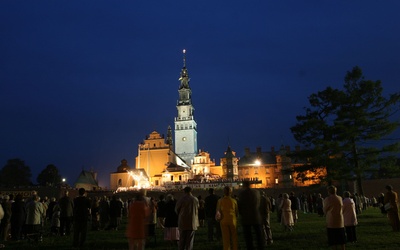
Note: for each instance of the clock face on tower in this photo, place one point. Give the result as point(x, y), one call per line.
point(183, 138)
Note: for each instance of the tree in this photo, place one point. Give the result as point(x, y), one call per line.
point(344, 130)
point(15, 173)
point(49, 176)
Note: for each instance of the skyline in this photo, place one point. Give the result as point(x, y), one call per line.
point(83, 83)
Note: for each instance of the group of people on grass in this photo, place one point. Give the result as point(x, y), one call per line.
point(341, 218)
point(179, 219)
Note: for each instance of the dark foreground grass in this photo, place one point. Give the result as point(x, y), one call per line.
point(373, 232)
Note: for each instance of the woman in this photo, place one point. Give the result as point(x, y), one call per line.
point(137, 221)
point(392, 213)
point(171, 232)
point(228, 208)
point(350, 217)
point(287, 216)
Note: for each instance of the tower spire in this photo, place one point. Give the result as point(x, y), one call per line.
point(184, 58)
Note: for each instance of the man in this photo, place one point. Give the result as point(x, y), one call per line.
point(161, 211)
point(249, 210)
point(294, 206)
point(265, 209)
point(210, 207)
point(333, 210)
point(116, 206)
point(66, 211)
point(391, 197)
point(187, 210)
point(80, 218)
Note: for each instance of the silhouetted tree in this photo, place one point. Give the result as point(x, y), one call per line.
point(49, 176)
point(15, 173)
point(345, 130)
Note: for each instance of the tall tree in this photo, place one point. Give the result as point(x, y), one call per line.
point(15, 173)
point(49, 176)
point(344, 129)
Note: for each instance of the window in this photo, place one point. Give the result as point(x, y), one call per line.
point(156, 182)
point(246, 172)
point(119, 182)
point(256, 170)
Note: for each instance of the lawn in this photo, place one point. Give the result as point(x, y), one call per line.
point(373, 232)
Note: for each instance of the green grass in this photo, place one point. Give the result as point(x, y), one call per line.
point(373, 232)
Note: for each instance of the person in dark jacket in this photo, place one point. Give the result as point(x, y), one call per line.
point(249, 205)
point(210, 207)
point(18, 215)
point(66, 212)
point(81, 214)
point(171, 232)
point(116, 206)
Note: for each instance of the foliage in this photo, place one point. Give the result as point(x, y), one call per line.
point(344, 130)
point(15, 173)
point(49, 176)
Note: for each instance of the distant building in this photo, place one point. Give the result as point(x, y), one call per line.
point(87, 180)
point(121, 178)
point(165, 165)
point(274, 168)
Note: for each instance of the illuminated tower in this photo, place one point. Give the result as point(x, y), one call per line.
point(185, 125)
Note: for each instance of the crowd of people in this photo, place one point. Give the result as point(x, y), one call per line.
point(180, 218)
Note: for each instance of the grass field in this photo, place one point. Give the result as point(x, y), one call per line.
point(373, 232)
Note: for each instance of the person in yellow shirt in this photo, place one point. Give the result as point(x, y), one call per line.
point(228, 209)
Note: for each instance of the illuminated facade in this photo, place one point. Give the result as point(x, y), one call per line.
point(162, 165)
point(185, 125)
point(274, 169)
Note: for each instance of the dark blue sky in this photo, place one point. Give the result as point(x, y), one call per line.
point(83, 82)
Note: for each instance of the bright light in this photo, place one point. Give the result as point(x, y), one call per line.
point(257, 162)
point(141, 182)
point(184, 51)
point(63, 179)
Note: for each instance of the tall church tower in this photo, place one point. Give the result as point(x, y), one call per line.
point(185, 125)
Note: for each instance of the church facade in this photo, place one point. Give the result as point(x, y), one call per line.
point(166, 162)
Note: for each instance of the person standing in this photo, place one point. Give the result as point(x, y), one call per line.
point(249, 210)
point(187, 210)
point(34, 215)
point(81, 215)
point(161, 211)
point(287, 215)
point(349, 217)
point(171, 231)
point(333, 210)
point(210, 206)
point(392, 213)
point(294, 206)
point(201, 214)
point(138, 213)
point(228, 208)
point(115, 210)
point(5, 222)
point(18, 215)
point(265, 209)
point(66, 212)
point(104, 212)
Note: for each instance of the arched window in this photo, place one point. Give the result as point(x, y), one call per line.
point(119, 182)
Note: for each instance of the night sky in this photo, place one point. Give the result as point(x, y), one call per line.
point(83, 82)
